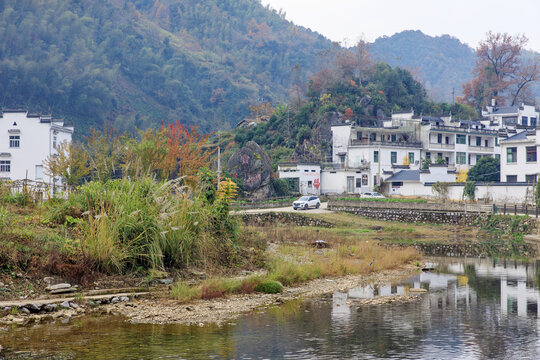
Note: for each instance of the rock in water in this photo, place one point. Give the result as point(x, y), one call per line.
point(252, 165)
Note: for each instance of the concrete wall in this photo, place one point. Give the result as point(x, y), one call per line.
point(504, 193)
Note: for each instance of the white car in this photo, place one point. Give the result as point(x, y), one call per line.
point(305, 202)
point(373, 195)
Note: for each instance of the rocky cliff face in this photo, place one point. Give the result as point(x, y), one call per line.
point(253, 166)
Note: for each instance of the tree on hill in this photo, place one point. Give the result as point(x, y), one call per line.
point(501, 72)
point(487, 169)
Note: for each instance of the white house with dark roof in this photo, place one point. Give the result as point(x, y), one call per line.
point(521, 116)
point(419, 178)
point(519, 157)
point(25, 142)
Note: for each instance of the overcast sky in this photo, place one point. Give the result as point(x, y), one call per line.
point(467, 20)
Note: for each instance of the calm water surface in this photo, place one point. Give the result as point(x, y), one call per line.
point(475, 309)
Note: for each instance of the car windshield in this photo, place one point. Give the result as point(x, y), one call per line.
point(376, 194)
point(304, 198)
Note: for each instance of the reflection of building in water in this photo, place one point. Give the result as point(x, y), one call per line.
point(340, 310)
point(516, 297)
point(517, 291)
point(459, 286)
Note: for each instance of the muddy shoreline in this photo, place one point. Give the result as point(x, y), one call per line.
point(158, 308)
point(201, 312)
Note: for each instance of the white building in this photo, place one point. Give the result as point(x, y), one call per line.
point(435, 173)
point(503, 117)
point(459, 143)
point(303, 177)
point(25, 142)
point(519, 161)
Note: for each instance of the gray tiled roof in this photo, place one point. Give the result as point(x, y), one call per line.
point(506, 110)
point(519, 136)
point(405, 175)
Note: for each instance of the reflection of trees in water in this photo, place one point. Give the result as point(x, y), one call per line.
point(485, 288)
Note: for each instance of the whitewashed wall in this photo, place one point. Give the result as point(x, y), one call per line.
point(498, 194)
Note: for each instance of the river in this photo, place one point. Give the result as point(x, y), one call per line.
point(474, 309)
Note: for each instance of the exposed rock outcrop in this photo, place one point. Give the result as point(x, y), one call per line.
point(252, 165)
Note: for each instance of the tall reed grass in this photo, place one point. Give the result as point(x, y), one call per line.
point(131, 224)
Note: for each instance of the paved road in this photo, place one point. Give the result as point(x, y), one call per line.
point(321, 210)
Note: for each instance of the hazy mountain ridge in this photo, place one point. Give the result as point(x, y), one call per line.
point(443, 63)
point(136, 63)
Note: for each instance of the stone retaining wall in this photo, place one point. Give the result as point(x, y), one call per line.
point(412, 216)
point(273, 218)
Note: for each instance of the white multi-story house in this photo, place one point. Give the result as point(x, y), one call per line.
point(459, 143)
point(26, 140)
point(519, 162)
point(510, 117)
point(381, 149)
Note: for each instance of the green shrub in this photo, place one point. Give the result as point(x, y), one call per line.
point(4, 218)
point(269, 287)
point(281, 187)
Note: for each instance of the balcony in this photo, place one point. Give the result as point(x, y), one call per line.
point(433, 145)
point(363, 165)
point(461, 130)
point(372, 143)
point(482, 149)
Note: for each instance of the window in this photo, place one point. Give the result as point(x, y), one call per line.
point(496, 141)
point(310, 184)
point(373, 137)
point(376, 156)
point(461, 158)
point(411, 158)
point(358, 182)
point(531, 153)
point(533, 121)
point(531, 179)
point(439, 138)
point(461, 139)
point(313, 170)
point(428, 155)
point(364, 180)
point(446, 140)
point(486, 143)
point(14, 141)
point(393, 157)
point(498, 156)
point(5, 165)
point(393, 138)
point(511, 155)
point(478, 141)
point(359, 135)
point(524, 120)
point(511, 178)
point(478, 157)
point(439, 156)
point(54, 142)
point(39, 172)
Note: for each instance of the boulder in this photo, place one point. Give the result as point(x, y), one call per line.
point(252, 165)
point(58, 287)
point(50, 307)
point(65, 305)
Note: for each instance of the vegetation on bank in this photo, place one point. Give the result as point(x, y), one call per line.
point(295, 261)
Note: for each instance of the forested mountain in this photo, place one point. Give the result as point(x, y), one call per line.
point(137, 63)
point(443, 63)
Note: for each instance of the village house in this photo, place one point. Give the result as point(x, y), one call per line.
point(302, 177)
point(519, 162)
point(28, 140)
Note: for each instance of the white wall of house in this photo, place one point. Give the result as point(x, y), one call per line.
point(308, 175)
point(37, 136)
point(526, 115)
point(497, 193)
point(437, 173)
point(519, 159)
point(341, 135)
point(342, 181)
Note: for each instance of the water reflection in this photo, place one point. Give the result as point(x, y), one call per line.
point(475, 309)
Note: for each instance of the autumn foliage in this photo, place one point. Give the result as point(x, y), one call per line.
point(170, 152)
point(501, 72)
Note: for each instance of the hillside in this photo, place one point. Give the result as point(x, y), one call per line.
point(443, 63)
point(137, 63)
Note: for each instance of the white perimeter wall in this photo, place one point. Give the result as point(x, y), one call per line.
point(498, 194)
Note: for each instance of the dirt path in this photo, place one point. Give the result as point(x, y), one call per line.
point(322, 210)
point(166, 311)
